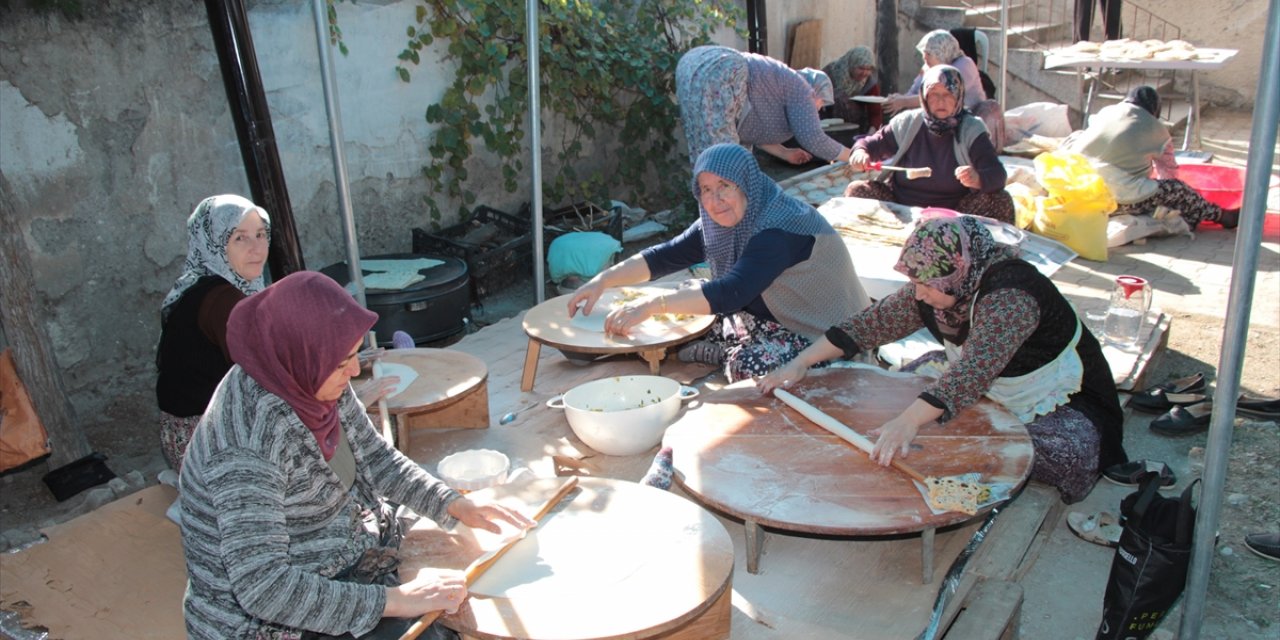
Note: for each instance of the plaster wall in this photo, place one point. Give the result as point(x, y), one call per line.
point(112, 129)
point(845, 25)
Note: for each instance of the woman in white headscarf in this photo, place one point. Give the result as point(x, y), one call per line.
point(226, 253)
point(940, 47)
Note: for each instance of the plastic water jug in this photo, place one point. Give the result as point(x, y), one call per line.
point(1130, 302)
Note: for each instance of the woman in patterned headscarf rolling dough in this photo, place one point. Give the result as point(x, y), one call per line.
point(1008, 335)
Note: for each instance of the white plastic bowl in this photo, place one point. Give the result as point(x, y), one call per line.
point(623, 415)
point(474, 469)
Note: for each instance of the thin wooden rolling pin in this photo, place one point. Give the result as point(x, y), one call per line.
point(482, 564)
point(838, 428)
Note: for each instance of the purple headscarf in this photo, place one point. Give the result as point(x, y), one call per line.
point(291, 337)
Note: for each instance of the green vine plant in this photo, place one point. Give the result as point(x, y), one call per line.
point(607, 75)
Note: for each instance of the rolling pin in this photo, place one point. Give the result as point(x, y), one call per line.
point(820, 418)
point(482, 564)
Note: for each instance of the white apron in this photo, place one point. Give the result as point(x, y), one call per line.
point(1038, 392)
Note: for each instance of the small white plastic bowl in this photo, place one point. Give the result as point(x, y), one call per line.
point(474, 469)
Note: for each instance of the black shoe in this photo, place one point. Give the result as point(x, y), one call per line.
point(1158, 401)
point(1184, 421)
point(1229, 219)
point(1129, 474)
point(1261, 408)
point(1266, 545)
point(1153, 399)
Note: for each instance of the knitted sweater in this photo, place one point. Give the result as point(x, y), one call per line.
point(266, 522)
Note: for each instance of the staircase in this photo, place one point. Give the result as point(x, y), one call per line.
point(1036, 26)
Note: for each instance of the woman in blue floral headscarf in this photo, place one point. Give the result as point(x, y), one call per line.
point(779, 273)
point(1008, 335)
point(942, 135)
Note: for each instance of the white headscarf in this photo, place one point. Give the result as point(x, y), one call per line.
point(208, 229)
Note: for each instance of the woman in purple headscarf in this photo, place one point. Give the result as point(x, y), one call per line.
point(1008, 334)
point(967, 174)
point(769, 255)
point(286, 524)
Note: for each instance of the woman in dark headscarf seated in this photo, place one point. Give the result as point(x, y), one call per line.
point(779, 273)
point(285, 524)
point(942, 135)
point(1009, 335)
point(1126, 142)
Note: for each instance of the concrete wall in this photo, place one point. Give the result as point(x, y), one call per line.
point(845, 25)
point(112, 128)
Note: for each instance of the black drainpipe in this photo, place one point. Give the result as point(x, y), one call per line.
point(757, 28)
point(229, 23)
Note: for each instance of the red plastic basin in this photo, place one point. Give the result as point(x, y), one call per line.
point(1223, 186)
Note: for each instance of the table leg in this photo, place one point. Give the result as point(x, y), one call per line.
point(926, 554)
point(1088, 98)
point(1193, 114)
point(530, 364)
point(755, 544)
point(653, 357)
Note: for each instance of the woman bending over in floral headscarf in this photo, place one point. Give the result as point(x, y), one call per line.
point(1008, 334)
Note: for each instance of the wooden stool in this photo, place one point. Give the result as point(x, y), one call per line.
point(451, 391)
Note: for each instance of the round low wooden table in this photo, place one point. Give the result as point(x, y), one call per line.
point(451, 391)
point(549, 323)
point(614, 560)
point(756, 458)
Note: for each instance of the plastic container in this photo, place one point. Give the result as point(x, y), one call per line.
point(474, 469)
point(1223, 186)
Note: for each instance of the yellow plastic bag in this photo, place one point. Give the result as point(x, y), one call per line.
point(1075, 211)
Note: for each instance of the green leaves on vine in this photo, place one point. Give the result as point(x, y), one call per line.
point(606, 79)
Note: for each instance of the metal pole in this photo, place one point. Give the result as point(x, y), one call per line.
point(1004, 53)
point(1262, 144)
point(535, 145)
point(229, 24)
point(334, 114)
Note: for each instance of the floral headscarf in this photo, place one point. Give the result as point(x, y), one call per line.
point(821, 84)
point(950, 79)
point(951, 255)
point(208, 229)
point(940, 44)
point(291, 337)
point(841, 71)
point(767, 207)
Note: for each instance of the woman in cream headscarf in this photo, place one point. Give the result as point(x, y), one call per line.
point(854, 75)
point(940, 47)
point(1009, 335)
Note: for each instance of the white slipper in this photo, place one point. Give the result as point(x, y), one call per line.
point(1100, 528)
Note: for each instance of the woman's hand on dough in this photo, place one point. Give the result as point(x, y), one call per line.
point(487, 515)
point(371, 391)
point(585, 298)
point(430, 590)
point(895, 438)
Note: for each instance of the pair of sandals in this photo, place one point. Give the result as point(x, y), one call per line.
point(1104, 528)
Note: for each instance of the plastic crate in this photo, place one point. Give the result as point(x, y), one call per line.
point(494, 263)
point(508, 255)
